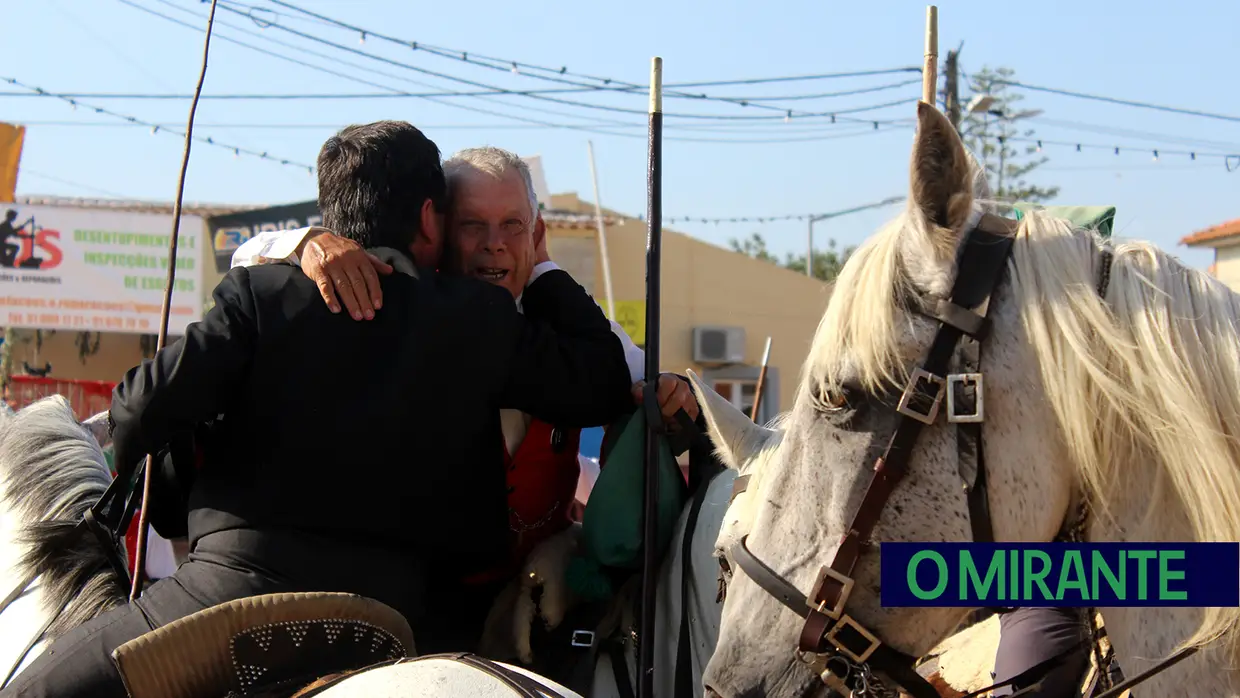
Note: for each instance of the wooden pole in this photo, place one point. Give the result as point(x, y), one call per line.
point(930, 68)
point(602, 238)
point(757, 391)
point(650, 503)
point(140, 552)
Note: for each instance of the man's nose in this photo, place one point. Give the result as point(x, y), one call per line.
point(495, 240)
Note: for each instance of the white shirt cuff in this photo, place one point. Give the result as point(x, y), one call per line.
point(539, 270)
point(284, 248)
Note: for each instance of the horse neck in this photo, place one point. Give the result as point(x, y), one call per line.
point(1142, 637)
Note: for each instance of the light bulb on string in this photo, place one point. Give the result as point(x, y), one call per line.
point(362, 40)
point(1155, 156)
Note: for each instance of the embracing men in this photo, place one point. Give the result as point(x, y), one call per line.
point(349, 456)
point(493, 224)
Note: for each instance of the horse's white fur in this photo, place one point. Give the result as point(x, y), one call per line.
point(44, 441)
point(1132, 402)
point(429, 678)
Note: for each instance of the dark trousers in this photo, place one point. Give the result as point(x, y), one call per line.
point(1030, 636)
point(460, 612)
point(80, 662)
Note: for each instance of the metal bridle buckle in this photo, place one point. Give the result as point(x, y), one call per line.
point(821, 665)
point(582, 638)
point(846, 587)
point(912, 392)
point(979, 408)
point(847, 621)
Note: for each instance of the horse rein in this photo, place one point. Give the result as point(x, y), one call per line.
point(839, 649)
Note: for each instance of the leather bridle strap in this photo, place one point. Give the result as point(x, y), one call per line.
point(897, 665)
point(980, 267)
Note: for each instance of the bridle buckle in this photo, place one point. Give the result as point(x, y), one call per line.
point(819, 604)
point(912, 392)
point(847, 625)
point(978, 415)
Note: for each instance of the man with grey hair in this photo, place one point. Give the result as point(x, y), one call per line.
point(493, 226)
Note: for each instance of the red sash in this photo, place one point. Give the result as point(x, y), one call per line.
point(542, 486)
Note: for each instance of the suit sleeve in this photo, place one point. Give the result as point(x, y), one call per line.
point(564, 366)
point(189, 381)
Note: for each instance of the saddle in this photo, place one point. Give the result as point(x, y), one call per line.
point(272, 645)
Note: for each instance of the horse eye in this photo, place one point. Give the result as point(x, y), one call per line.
point(839, 399)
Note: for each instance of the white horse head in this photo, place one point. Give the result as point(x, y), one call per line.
point(1130, 400)
point(51, 471)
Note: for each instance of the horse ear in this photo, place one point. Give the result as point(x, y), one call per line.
point(941, 176)
point(737, 439)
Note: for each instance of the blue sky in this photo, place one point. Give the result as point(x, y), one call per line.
point(1168, 53)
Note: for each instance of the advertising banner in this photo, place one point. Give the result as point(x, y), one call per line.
point(96, 270)
point(231, 231)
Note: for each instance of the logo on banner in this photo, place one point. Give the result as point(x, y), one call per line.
point(24, 244)
point(229, 239)
point(1060, 574)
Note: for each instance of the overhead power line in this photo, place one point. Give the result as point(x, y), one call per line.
point(559, 74)
point(784, 217)
point(405, 95)
point(593, 127)
point(1115, 100)
point(156, 128)
point(784, 113)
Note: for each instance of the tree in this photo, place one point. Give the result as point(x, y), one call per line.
point(989, 135)
point(827, 263)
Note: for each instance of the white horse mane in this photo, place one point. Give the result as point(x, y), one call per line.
point(1147, 378)
point(53, 471)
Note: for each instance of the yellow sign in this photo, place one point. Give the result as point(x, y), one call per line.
point(11, 139)
point(630, 315)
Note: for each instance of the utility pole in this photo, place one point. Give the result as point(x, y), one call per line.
point(951, 88)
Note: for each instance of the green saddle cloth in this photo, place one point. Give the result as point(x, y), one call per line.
point(1101, 218)
point(611, 529)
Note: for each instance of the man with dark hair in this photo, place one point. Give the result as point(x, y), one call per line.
point(358, 491)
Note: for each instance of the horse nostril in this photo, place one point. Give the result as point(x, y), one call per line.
point(711, 693)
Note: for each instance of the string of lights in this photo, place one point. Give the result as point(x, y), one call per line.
point(562, 73)
point(1230, 160)
point(1115, 100)
point(777, 218)
point(784, 113)
point(591, 126)
point(157, 129)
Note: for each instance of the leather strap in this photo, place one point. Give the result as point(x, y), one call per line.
point(980, 267)
point(684, 660)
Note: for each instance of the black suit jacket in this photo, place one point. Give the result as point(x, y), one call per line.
point(380, 433)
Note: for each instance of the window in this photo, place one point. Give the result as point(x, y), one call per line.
point(738, 384)
point(741, 394)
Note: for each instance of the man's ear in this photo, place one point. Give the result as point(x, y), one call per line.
point(429, 220)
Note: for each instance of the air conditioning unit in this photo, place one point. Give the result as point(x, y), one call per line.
point(718, 345)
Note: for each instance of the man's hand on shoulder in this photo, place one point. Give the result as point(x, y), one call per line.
point(341, 267)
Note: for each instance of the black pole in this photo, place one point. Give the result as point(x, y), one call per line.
point(650, 503)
